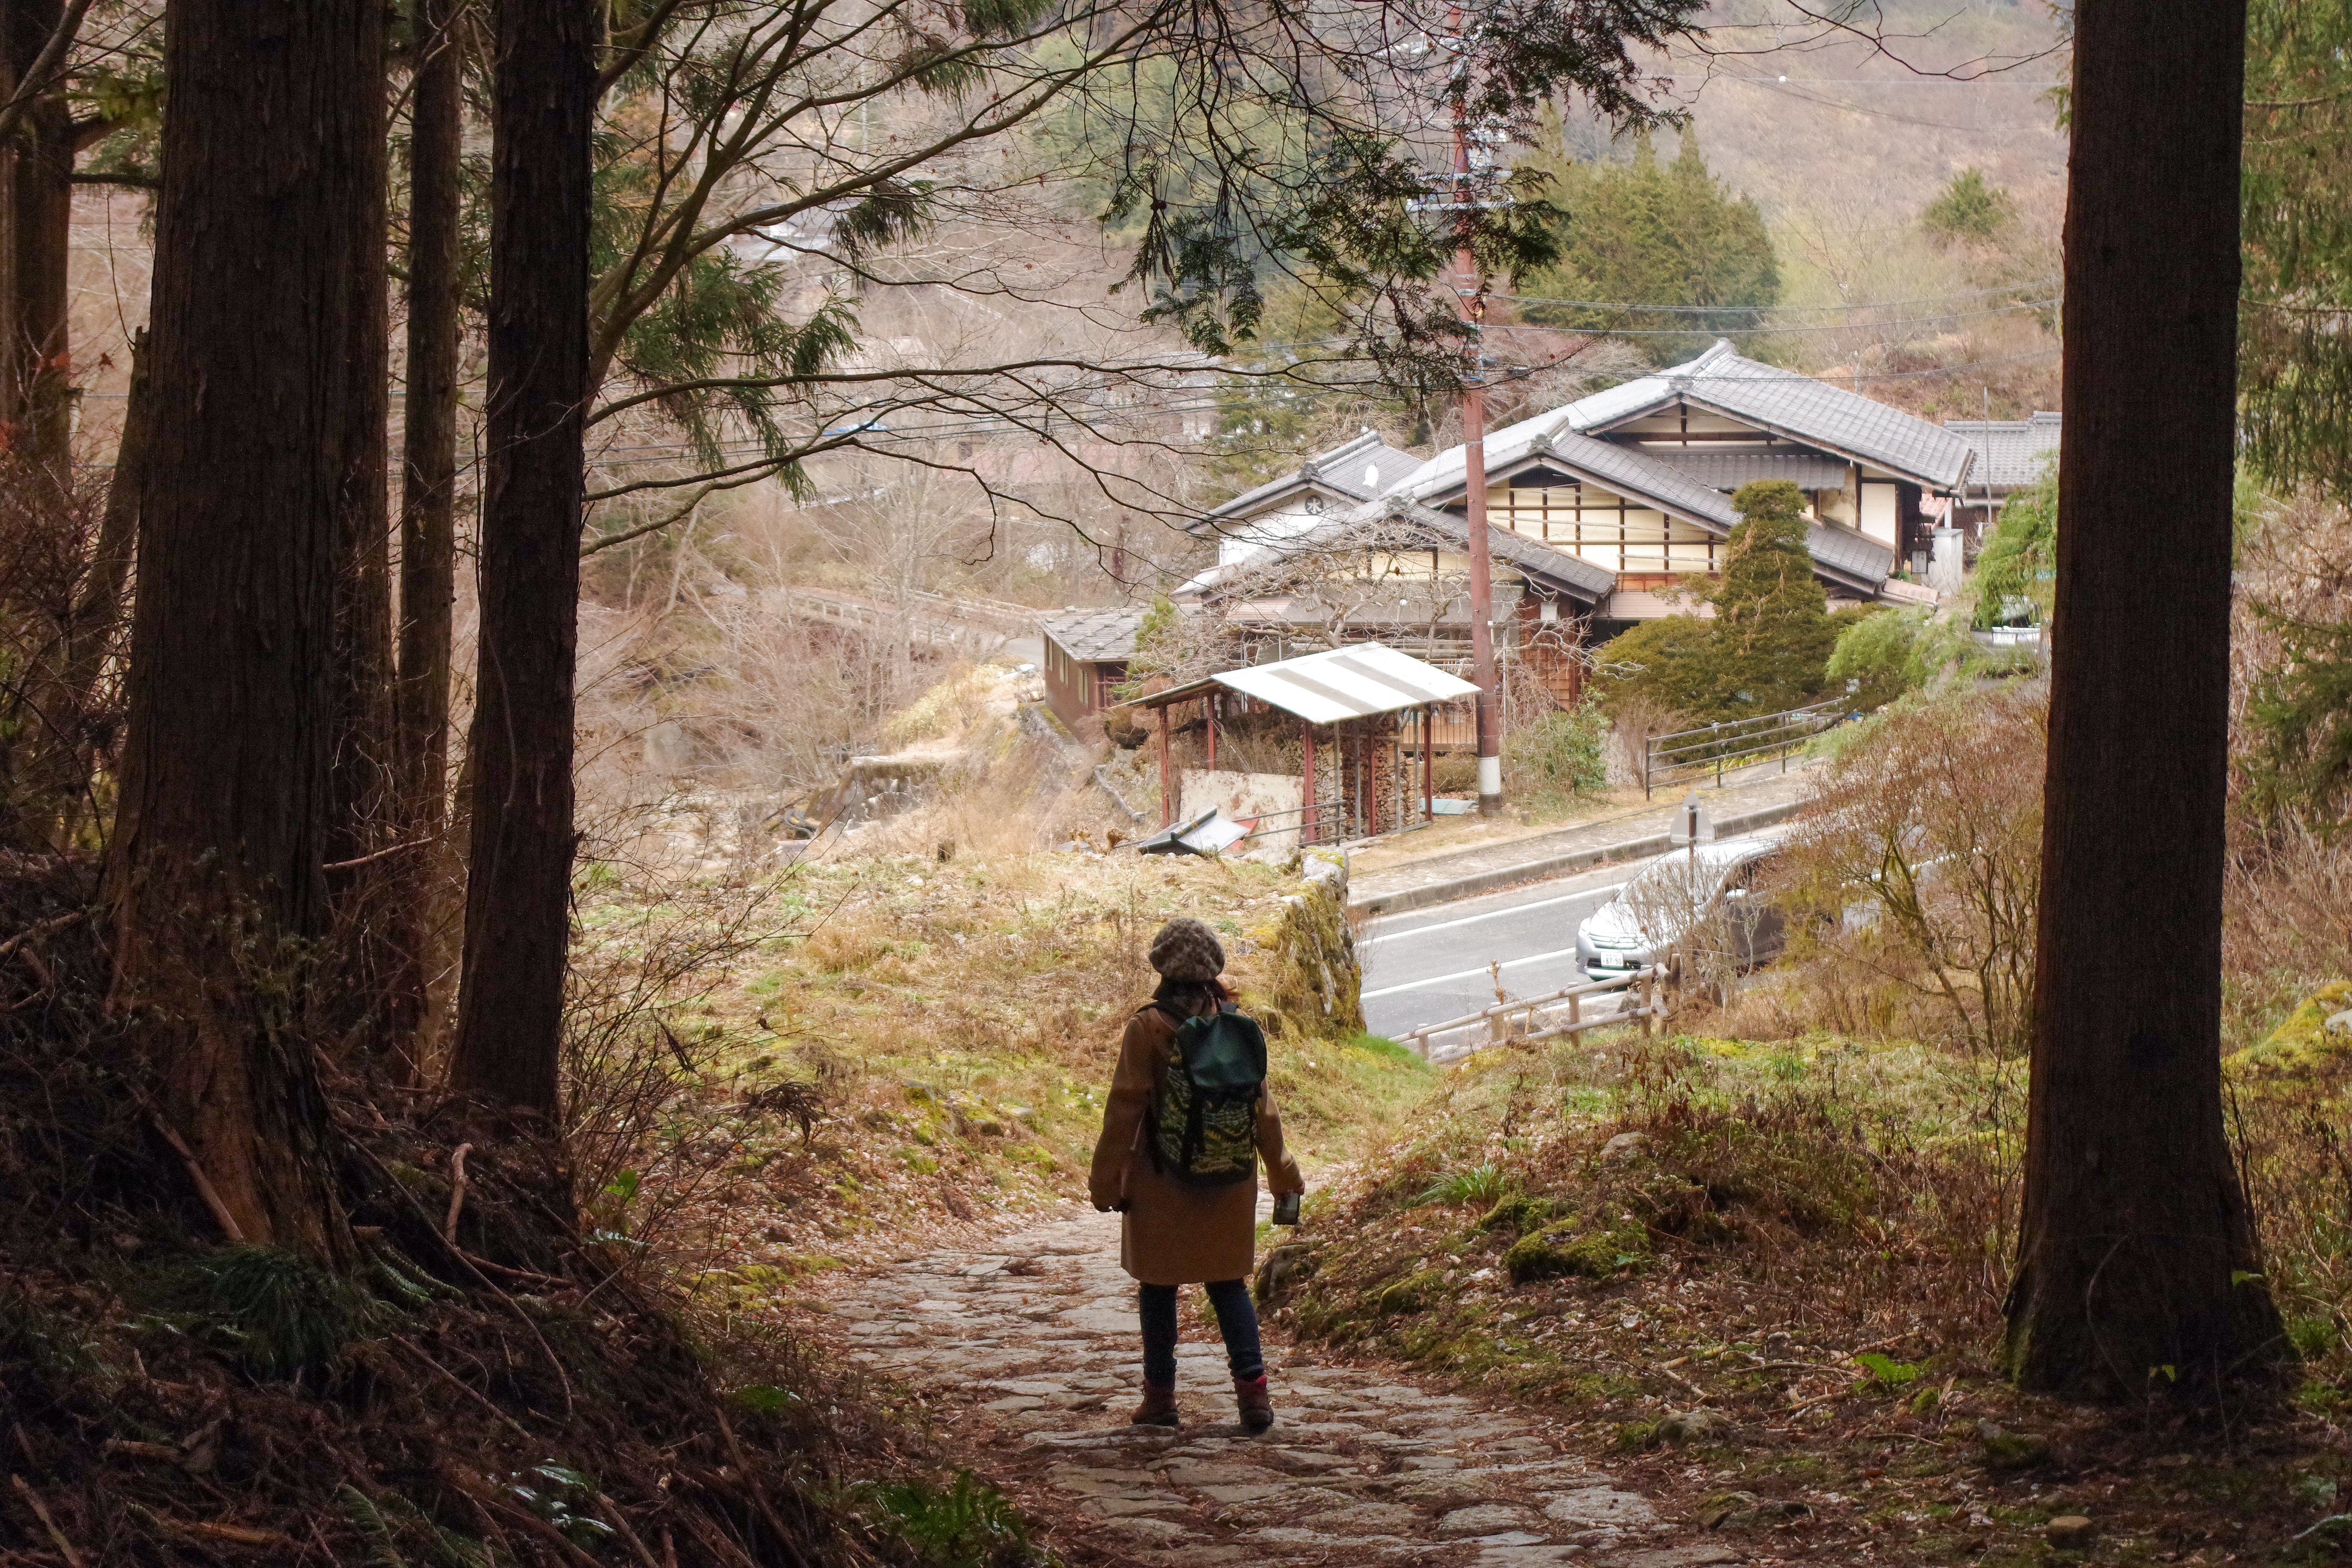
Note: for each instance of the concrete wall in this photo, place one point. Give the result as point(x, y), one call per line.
point(1241, 796)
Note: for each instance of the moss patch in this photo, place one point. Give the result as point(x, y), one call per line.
point(1565, 1249)
point(2302, 1045)
point(1518, 1214)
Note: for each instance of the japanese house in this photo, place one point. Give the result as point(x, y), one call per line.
point(1086, 655)
point(1399, 574)
point(2011, 455)
point(1636, 480)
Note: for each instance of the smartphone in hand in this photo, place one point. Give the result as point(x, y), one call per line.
point(1285, 1209)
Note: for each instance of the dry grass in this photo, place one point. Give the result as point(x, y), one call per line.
point(1811, 1239)
point(916, 1045)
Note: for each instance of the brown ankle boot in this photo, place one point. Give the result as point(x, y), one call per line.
point(1256, 1406)
point(1158, 1406)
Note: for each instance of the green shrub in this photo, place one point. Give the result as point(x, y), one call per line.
point(1562, 753)
point(1888, 654)
point(1773, 627)
point(1667, 663)
point(2016, 573)
point(1877, 658)
point(1969, 208)
point(968, 1525)
point(1768, 649)
point(1482, 1184)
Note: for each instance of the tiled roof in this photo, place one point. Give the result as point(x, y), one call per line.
point(1855, 558)
point(1356, 470)
point(2011, 453)
point(1729, 470)
point(1842, 553)
point(1781, 401)
point(1391, 522)
point(1631, 471)
point(1574, 573)
point(1092, 637)
point(1811, 411)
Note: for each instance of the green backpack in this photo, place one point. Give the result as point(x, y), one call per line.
point(1204, 1118)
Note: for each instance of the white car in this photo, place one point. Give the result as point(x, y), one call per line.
point(1651, 913)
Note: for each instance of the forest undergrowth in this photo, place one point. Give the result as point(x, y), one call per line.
point(771, 1072)
point(1768, 1277)
point(490, 1378)
point(1762, 1256)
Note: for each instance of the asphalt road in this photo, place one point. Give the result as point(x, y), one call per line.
point(1431, 965)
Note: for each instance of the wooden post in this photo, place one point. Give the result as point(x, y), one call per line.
point(1167, 773)
point(1209, 712)
point(1428, 763)
point(1358, 826)
point(1396, 773)
point(1307, 822)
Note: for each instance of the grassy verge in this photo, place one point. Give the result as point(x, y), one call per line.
point(912, 1044)
point(1768, 1277)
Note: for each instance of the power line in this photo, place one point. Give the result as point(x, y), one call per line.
point(1717, 309)
point(1770, 86)
point(1907, 82)
point(1777, 332)
point(980, 424)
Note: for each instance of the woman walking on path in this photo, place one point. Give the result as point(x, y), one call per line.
point(1174, 1234)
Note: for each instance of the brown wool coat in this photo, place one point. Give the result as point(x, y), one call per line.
point(1172, 1234)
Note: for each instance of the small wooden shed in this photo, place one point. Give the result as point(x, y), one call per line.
point(1358, 698)
point(1087, 654)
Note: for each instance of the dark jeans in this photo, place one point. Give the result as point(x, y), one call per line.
point(1236, 1320)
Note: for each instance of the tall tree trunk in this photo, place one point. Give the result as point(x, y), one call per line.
point(363, 815)
point(261, 277)
point(519, 888)
point(2136, 1265)
point(34, 361)
point(428, 533)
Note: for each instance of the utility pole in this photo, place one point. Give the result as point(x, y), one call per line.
point(1470, 294)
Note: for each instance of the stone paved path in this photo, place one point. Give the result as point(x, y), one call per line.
point(1029, 1355)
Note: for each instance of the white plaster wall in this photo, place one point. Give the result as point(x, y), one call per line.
point(1879, 510)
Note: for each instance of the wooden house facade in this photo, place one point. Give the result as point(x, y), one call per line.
point(1637, 479)
point(1087, 656)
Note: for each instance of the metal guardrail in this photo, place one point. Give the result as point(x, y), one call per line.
point(943, 629)
point(1002, 613)
point(1686, 753)
point(1647, 983)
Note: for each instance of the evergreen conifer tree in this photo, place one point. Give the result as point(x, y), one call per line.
point(1645, 234)
point(1969, 209)
point(1773, 628)
point(1668, 662)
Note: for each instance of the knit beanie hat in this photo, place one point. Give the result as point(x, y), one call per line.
point(1186, 950)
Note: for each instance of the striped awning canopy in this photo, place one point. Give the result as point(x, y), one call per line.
point(1354, 682)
